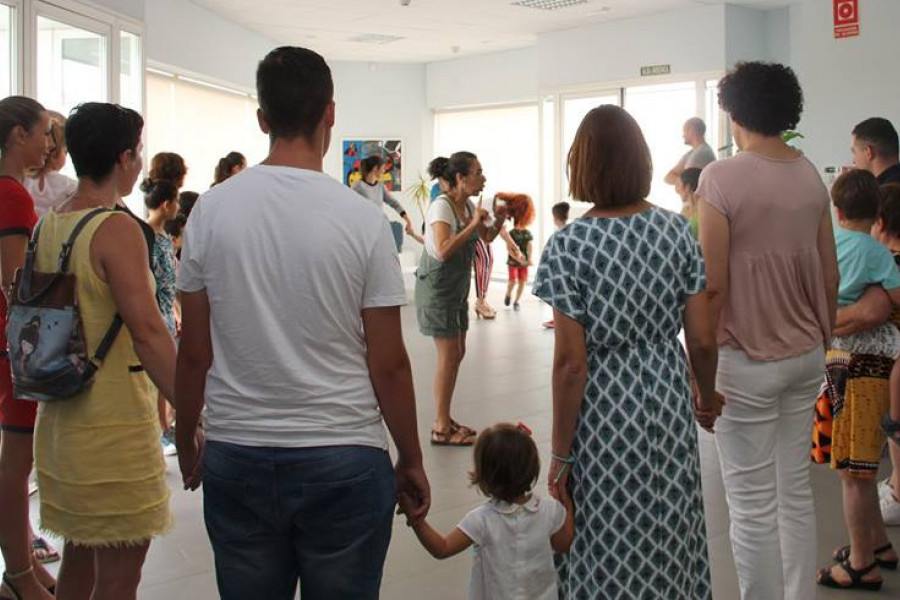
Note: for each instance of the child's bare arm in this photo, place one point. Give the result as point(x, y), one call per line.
point(440, 546)
point(894, 295)
point(562, 539)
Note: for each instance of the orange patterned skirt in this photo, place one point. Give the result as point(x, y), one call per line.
point(849, 409)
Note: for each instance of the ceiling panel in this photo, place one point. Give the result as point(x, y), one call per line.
point(430, 29)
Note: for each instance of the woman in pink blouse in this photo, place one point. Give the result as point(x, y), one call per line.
point(766, 234)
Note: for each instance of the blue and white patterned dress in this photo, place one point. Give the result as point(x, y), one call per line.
point(639, 523)
point(164, 274)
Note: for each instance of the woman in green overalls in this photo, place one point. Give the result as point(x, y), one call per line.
point(453, 223)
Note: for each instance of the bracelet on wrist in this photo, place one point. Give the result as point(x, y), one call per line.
point(569, 460)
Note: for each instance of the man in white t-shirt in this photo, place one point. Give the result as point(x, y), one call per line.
point(700, 154)
point(291, 293)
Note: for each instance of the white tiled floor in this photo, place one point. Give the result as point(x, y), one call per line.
point(505, 377)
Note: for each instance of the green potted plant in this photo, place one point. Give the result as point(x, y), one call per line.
point(420, 192)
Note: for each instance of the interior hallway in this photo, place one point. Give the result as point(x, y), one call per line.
point(505, 377)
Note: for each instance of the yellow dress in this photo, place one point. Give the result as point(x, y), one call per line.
point(99, 462)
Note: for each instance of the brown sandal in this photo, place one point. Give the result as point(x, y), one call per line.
point(454, 426)
point(454, 436)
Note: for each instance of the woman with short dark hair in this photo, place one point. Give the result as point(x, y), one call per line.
point(623, 280)
point(100, 470)
point(766, 233)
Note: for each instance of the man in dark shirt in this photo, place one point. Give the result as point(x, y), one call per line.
point(876, 149)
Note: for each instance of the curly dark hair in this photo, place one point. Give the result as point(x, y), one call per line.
point(762, 97)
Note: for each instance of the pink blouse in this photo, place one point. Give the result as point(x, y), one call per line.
point(776, 306)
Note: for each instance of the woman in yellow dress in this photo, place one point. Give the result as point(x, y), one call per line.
point(100, 468)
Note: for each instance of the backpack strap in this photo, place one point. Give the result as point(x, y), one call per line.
point(66, 253)
point(110, 336)
point(103, 348)
point(28, 267)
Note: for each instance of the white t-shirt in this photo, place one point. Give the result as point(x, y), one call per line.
point(513, 559)
point(57, 189)
point(440, 211)
point(289, 258)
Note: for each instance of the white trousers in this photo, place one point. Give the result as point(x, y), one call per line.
point(764, 437)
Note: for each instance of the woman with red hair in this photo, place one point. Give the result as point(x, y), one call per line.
point(520, 209)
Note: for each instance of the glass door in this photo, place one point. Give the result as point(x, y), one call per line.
point(8, 45)
point(131, 71)
point(661, 111)
point(72, 63)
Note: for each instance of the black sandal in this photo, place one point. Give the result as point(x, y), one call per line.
point(856, 578)
point(843, 553)
point(891, 428)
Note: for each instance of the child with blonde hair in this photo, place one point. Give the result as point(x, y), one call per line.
point(48, 187)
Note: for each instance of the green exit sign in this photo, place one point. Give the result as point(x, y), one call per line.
point(653, 70)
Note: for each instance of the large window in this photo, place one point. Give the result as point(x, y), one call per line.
point(8, 71)
point(506, 141)
point(661, 111)
point(177, 108)
point(131, 71)
point(71, 65)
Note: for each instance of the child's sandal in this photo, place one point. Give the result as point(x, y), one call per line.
point(891, 428)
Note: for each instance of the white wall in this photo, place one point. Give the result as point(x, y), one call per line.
point(497, 78)
point(381, 100)
point(373, 99)
point(190, 38)
point(692, 41)
point(844, 81)
point(778, 35)
point(746, 35)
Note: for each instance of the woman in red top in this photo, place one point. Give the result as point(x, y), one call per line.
point(24, 144)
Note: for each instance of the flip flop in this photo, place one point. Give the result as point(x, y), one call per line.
point(43, 552)
point(451, 437)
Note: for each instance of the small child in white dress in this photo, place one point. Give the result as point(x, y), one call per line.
point(48, 187)
point(515, 532)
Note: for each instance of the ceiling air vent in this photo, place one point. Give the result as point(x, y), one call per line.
point(379, 39)
point(549, 4)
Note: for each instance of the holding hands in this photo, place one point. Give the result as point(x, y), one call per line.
point(707, 410)
point(413, 493)
point(190, 461)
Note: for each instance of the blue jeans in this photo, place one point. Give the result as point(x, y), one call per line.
point(274, 516)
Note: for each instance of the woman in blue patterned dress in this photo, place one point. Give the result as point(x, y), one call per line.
point(161, 200)
point(622, 281)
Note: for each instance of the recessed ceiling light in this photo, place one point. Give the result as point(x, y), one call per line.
point(379, 39)
point(548, 4)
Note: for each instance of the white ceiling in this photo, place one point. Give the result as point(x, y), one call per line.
point(431, 29)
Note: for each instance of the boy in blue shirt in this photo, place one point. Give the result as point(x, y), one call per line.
point(856, 390)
